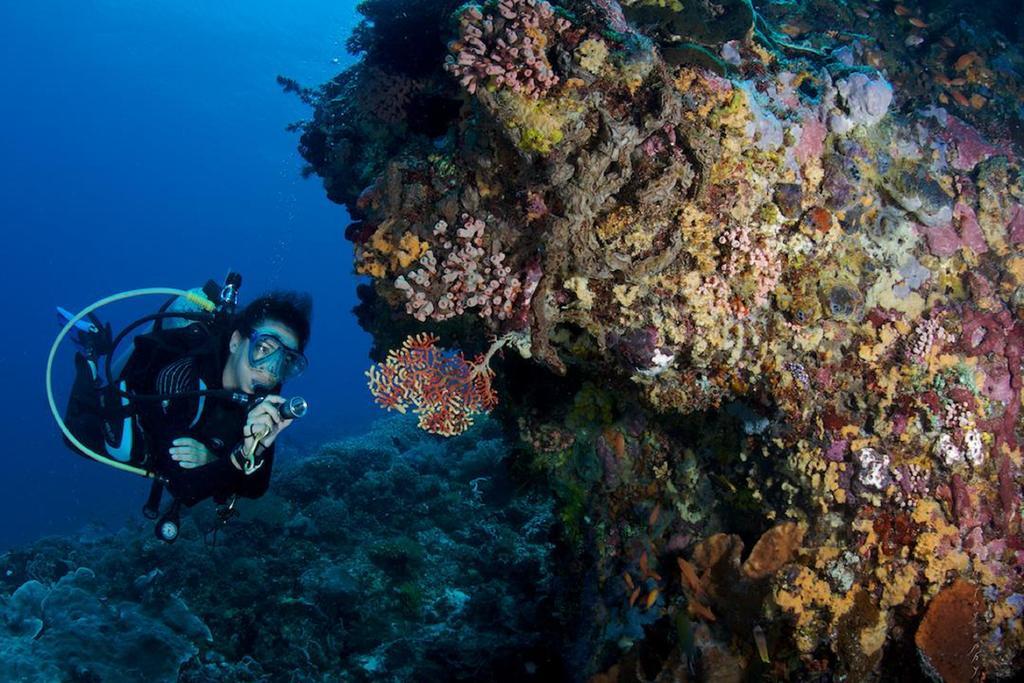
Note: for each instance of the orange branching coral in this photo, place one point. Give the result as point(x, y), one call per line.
point(440, 385)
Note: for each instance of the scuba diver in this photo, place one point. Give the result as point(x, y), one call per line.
point(196, 405)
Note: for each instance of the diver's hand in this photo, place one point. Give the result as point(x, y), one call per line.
point(189, 453)
point(264, 419)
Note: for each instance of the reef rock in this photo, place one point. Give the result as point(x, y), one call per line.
point(768, 273)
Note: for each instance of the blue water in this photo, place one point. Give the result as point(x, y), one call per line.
point(143, 144)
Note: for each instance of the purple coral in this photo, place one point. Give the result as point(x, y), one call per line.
point(1002, 335)
point(506, 49)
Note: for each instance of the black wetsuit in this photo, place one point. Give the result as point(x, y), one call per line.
point(215, 422)
point(173, 362)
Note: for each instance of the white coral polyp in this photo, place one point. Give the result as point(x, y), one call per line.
point(948, 451)
point(975, 447)
point(873, 467)
point(660, 362)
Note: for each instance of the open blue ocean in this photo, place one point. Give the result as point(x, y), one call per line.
point(144, 145)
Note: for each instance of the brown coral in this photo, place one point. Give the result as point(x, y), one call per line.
point(947, 637)
point(774, 549)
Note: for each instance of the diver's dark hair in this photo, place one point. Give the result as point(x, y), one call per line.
point(294, 309)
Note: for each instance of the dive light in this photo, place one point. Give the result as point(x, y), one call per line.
point(294, 407)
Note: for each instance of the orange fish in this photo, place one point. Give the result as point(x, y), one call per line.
point(634, 596)
point(651, 598)
point(643, 563)
point(965, 61)
point(654, 514)
point(689, 575)
point(616, 441)
point(960, 99)
point(918, 22)
point(699, 610)
point(901, 10)
point(629, 580)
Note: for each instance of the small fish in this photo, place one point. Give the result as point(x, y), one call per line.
point(654, 514)
point(634, 595)
point(978, 101)
point(643, 563)
point(947, 42)
point(959, 98)
point(965, 61)
point(862, 13)
point(699, 610)
point(689, 576)
point(652, 597)
point(902, 11)
point(920, 23)
point(684, 634)
point(913, 40)
point(762, 643)
point(629, 580)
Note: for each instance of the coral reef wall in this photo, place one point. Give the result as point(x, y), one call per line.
point(768, 259)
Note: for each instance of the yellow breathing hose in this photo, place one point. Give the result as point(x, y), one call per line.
point(192, 297)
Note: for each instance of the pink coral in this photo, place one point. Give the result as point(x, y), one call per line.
point(971, 148)
point(1015, 226)
point(440, 386)
point(926, 333)
point(812, 140)
point(1002, 335)
point(506, 49)
point(471, 276)
point(942, 239)
point(970, 232)
point(757, 257)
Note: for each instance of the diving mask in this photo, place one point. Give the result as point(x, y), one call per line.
point(269, 353)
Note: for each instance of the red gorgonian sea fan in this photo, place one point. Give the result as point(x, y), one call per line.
point(440, 385)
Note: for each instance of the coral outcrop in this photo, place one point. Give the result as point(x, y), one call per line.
point(393, 556)
point(771, 273)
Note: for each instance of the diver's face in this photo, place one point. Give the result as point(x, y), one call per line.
point(244, 375)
